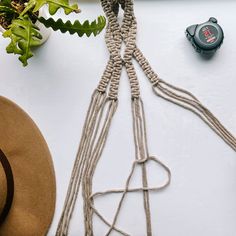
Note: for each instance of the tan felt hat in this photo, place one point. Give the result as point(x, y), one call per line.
point(27, 180)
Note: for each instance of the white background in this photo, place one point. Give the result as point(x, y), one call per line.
point(55, 90)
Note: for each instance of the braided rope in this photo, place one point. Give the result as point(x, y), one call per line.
point(99, 117)
point(90, 150)
point(142, 156)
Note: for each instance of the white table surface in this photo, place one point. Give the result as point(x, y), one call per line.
point(55, 90)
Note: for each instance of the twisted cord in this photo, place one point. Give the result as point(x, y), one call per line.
point(113, 30)
point(114, 46)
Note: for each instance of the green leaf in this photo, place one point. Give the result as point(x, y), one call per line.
point(5, 3)
point(53, 6)
point(86, 28)
point(5, 9)
point(24, 35)
point(7, 13)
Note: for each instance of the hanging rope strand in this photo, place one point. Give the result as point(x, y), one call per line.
point(140, 137)
point(196, 107)
point(96, 103)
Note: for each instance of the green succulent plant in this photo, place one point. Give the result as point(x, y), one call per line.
point(18, 18)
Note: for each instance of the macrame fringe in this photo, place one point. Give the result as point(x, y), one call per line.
point(96, 148)
point(95, 107)
point(188, 101)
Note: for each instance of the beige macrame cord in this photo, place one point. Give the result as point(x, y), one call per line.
point(102, 108)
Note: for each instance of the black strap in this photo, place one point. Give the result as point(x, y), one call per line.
point(10, 186)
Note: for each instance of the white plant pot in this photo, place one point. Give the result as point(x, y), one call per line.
point(45, 32)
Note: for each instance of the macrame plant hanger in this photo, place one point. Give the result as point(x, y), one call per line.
point(101, 110)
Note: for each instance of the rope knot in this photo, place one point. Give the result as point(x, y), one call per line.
point(156, 81)
point(142, 160)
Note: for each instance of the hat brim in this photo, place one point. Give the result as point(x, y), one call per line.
point(34, 178)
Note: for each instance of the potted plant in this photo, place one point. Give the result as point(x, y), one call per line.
point(23, 22)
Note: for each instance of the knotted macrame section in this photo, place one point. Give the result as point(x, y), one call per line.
point(101, 111)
